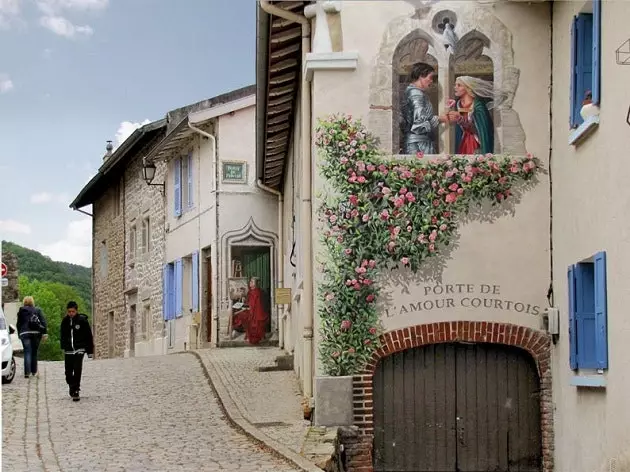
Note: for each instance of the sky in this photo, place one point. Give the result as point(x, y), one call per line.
point(76, 73)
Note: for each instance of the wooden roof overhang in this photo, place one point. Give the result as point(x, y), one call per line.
point(278, 69)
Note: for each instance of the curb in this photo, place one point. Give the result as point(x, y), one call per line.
point(237, 420)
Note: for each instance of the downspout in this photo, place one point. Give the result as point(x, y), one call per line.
point(279, 257)
point(216, 263)
point(306, 216)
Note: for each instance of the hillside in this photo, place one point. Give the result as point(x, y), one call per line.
point(36, 266)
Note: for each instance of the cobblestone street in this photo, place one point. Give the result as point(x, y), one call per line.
point(143, 414)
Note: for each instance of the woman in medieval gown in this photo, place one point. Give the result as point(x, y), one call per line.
point(475, 130)
point(253, 320)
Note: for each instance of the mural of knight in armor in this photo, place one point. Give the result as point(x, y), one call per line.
point(418, 119)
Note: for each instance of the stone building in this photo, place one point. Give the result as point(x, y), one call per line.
point(522, 294)
point(127, 313)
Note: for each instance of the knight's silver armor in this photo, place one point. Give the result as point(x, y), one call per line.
point(418, 122)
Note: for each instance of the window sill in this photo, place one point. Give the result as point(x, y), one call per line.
point(584, 130)
point(590, 381)
point(346, 60)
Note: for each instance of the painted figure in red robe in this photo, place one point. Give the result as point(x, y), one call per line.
point(253, 320)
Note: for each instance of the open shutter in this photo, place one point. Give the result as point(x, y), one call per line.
point(572, 319)
point(601, 311)
point(177, 187)
point(195, 281)
point(597, 38)
point(190, 180)
point(573, 94)
point(584, 66)
point(179, 279)
point(165, 292)
point(585, 315)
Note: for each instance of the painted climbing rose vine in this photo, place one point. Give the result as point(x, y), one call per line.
point(384, 212)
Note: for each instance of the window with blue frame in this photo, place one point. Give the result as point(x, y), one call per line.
point(183, 190)
point(588, 328)
point(585, 61)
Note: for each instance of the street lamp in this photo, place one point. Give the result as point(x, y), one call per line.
point(148, 172)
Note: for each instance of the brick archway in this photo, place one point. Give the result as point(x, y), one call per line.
point(536, 343)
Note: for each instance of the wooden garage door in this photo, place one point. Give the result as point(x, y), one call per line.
point(457, 407)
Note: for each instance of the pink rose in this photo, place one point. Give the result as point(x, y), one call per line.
point(434, 220)
point(365, 218)
point(372, 330)
point(348, 283)
point(333, 219)
point(453, 187)
point(402, 191)
point(330, 296)
point(443, 227)
point(386, 191)
point(397, 230)
point(360, 270)
point(385, 215)
point(431, 247)
point(339, 239)
point(369, 298)
point(451, 198)
point(367, 341)
point(371, 167)
point(514, 169)
point(345, 325)
point(409, 228)
point(351, 350)
point(353, 199)
point(460, 191)
point(372, 264)
point(410, 197)
point(335, 354)
point(357, 286)
point(367, 282)
point(361, 179)
point(399, 202)
point(433, 236)
point(436, 203)
point(404, 260)
point(441, 191)
point(354, 213)
point(446, 214)
point(344, 160)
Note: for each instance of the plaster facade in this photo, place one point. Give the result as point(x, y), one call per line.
point(223, 215)
point(588, 204)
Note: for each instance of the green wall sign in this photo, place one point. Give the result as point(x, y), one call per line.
point(235, 172)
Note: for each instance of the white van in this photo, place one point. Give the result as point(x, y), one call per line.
point(8, 361)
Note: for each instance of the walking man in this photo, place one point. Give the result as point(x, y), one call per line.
point(76, 341)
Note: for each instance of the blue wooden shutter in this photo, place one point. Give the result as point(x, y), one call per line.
point(195, 281)
point(573, 94)
point(572, 319)
point(179, 279)
point(584, 62)
point(190, 180)
point(597, 38)
point(171, 291)
point(177, 187)
point(165, 292)
point(601, 311)
point(585, 315)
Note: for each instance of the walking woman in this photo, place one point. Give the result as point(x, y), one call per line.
point(31, 326)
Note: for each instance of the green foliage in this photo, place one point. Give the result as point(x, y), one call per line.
point(36, 266)
point(51, 298)
point(384, 213)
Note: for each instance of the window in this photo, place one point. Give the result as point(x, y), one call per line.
point(588, 333)
point(585, 60)
point(168, 295)
point(103, 260)
point(177, 187)
point(146, 322)
point(183, 184)
point(146, 235)
point(133, 241)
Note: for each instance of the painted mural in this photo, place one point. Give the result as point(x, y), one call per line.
point(445, 78)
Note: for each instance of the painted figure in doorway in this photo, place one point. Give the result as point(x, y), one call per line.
point(475, 129)
point(253, 318)
point(419, 122)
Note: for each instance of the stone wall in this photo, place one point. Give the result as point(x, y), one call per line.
point(143, 273)
point(11, 293)
point(108, 251)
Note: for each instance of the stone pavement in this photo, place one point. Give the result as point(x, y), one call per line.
point(270, 403)
point(151, 414)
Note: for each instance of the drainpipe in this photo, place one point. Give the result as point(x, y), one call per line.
point(306, 204)
point(279, 256)
point(216, 264)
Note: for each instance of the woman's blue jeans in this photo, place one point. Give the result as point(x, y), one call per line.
point(31, 346)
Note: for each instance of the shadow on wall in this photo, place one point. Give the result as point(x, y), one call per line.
point(432, 268)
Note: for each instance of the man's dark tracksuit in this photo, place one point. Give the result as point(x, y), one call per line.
point(76, 341)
